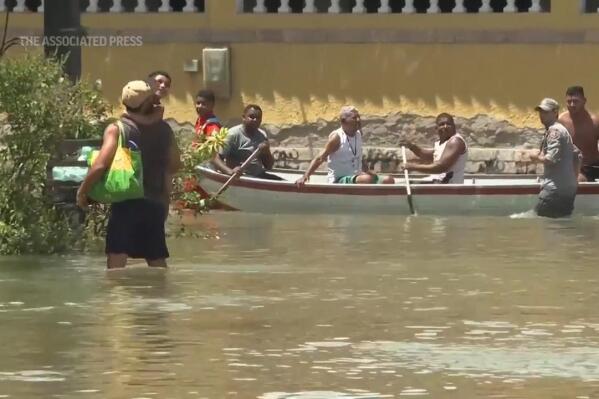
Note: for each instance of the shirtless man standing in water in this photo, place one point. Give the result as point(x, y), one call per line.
point(584, 129)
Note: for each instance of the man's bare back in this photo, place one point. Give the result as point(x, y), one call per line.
point(584, 129)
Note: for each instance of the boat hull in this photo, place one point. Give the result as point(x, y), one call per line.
point(479, 196)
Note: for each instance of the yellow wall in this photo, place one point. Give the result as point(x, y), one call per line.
point(301, 82)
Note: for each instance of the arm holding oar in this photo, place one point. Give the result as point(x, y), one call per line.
point(453, 149)
point(447, 160)
point(423, 154)
point(220, 165)
point(235, 173)
point(239, 170)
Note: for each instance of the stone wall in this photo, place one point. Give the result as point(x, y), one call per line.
point(495, 146)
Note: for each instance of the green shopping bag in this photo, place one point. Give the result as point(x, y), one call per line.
point(124, 178)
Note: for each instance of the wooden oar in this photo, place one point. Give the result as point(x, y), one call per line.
point(243, 166)
point(407, 179)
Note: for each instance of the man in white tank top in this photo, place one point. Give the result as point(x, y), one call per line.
point(343, 153)
point(446, 162)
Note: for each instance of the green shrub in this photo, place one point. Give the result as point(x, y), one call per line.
point(39, 107)
point(193, 154)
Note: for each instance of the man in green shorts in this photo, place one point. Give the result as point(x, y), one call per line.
point(343, 153)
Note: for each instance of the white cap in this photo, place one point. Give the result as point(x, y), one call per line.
point(548, 104)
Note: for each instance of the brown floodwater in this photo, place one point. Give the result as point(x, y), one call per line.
point(281, 307)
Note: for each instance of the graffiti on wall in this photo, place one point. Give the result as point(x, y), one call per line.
point(382, 160)
point(388, 160)
point(286, 159)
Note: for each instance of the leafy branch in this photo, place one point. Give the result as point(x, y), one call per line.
point(185, 194)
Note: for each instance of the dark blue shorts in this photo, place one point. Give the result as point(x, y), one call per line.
point(136, 228)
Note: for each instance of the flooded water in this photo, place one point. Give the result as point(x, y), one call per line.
point(309, 308)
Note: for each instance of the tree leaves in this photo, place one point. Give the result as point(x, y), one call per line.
point(38, 109)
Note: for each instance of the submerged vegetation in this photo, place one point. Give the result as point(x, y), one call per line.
point(39, 108)
point(185, 195)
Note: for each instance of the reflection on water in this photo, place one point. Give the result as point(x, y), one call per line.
point(476, 360)
point(281, 307)
point(356, 394)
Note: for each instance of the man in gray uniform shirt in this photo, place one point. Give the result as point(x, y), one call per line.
point(560, 159)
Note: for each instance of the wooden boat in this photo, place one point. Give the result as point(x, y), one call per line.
point(479, 195)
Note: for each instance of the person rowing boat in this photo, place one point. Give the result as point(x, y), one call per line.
point(241, 142)
point(446, 161)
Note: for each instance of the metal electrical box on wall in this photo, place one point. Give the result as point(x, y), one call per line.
point(216, 63)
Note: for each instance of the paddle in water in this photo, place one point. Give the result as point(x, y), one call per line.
point(407, 179)
point(208, 202)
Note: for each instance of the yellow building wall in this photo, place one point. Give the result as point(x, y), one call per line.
point(299, 82)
